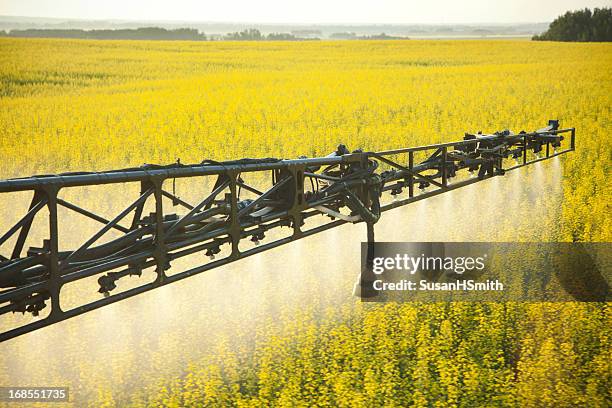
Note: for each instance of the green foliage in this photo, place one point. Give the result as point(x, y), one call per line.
point(250, 34)
point(581, 25)
point(281, 37)
point(143, 33)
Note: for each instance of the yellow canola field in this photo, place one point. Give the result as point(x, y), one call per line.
point(92, 105)
point(68, 105)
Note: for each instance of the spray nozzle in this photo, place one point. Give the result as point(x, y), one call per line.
point(210, 252)
point(257, 237)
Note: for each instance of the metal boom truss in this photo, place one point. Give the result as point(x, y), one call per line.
point(344, 187)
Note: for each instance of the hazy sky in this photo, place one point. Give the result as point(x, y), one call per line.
point(303, 11)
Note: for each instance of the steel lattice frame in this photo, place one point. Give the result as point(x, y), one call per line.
point(300, 189)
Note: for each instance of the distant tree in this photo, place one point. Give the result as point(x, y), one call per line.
point(381, 36)
point(250, 34)
point(281, 37)
point(580, 25)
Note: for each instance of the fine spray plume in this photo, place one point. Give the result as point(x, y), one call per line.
point(319, 207)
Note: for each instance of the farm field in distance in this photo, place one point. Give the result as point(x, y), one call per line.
point(80, 105)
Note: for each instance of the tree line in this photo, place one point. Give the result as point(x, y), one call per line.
point(253, 34)
point(185, 34)
point(582, 25)
point(148, 33)
point(143, 33)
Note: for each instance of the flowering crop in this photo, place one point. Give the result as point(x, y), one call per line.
point(69, 105)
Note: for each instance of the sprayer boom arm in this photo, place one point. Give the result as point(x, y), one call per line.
point(339, 188)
